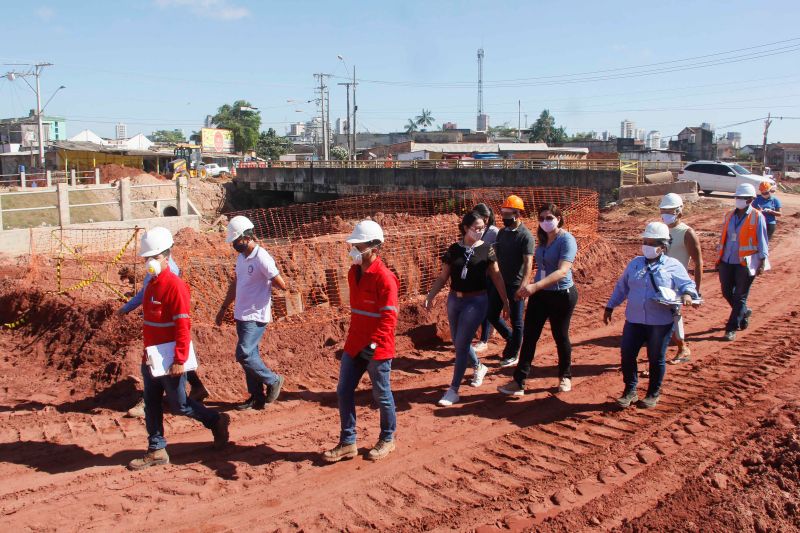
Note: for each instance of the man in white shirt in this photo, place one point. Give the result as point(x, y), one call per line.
point(256, 272)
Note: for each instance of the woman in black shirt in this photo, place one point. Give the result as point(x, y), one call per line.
point(467, 264)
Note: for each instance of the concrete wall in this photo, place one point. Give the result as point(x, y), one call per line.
point(348, 182)
point(687, 189)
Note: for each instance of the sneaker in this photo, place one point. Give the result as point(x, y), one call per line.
point(506, 362)
point(151, 458)
point(198, 394)
point(450, 397)
point(251, 403)
point(649, 401)
point(730, 335)
point(565, 385)
point(628, 397)
point(480, 373)
point(340, 452)
point(137, 411)
point(746, 319)
point(511, 388)
point(381, 450)
point(220, 431)
point(274, 390)
point(480, 347)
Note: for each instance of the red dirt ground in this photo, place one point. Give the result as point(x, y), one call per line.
point(720, 452)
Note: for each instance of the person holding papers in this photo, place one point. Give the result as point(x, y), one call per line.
point(652, 283)
point(167, 334)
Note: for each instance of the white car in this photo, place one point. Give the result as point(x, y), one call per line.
point(214, 170)
point(718, 176)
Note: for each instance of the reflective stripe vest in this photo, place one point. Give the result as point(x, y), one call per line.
point(373, 308)
point(166, 306)
point(748, 235)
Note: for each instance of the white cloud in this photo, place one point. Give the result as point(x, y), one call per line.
point(45, 13)
point(212, 9)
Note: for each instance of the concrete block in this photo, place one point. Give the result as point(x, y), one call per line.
point(63, 204)
point(125, 209)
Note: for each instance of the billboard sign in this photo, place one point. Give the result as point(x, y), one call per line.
point(216, 140)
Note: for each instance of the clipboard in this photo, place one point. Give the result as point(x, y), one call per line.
point(161, 356)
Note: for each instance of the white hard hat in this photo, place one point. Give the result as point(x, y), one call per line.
point(745, 190)
point(366, 231)
point(671, 201)
point(155, 241)
point(656, 230)
point(237, 226)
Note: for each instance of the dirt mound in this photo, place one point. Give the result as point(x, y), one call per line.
point(112, 172)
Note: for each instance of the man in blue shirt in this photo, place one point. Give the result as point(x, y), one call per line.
point(198, 391)
point(647, 321)
point(769, 204)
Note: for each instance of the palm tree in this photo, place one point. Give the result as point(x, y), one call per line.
point(411, 126)
point(425, 118)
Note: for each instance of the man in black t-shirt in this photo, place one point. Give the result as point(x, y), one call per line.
point(515, 249)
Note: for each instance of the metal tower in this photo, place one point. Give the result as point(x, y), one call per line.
point(480, 81)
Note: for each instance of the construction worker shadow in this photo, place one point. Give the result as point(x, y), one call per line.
point(609, 341)
point(118, 397)
point(711, 334)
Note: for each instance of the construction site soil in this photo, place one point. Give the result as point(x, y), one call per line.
point(721, 452)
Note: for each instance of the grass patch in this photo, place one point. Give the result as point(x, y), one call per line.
point(49, 217)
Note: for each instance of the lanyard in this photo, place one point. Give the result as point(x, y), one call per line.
point(468, 253)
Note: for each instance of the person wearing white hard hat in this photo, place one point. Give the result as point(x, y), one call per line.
point(684, 246)
point(743, 253)
point(167, 319)
point(648, 280)
point(370, 342)
point(251, 289)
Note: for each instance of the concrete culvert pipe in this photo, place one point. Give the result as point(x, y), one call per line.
point(659, 177)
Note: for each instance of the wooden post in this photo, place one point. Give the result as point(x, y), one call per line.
point(63, 204)
point(125, 212)
point(182, 195)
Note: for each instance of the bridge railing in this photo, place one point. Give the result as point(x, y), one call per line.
point(525, 164)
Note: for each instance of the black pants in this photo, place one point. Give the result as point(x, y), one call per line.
point(557, 307)
point(771, 230)
point(193, 379)
point(736, 282)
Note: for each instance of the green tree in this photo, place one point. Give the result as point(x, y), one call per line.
point(167, 136)
point(582, 136)
point(545, 130)
point(503, 130)
point(424, 119)
point(340, 153)
point(195, 137)
point(270, 145)
point(243, 120)
point(411, 126)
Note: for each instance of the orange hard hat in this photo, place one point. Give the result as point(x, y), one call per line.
point(764, 187)
point(514, 202)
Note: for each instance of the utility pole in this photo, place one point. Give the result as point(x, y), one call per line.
point(350, 148)
point(355, 108)
point(323, 116)
point(519, 120)
point(767, 123)
point(36, 72)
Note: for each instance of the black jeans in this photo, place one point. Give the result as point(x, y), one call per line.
point(771, 230)
point(557, 307)
point(193, 379)
point(735, 281)
point(513, 334)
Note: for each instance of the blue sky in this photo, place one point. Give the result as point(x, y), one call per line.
point(157, 64)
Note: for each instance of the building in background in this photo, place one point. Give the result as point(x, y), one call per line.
point(784, 157)
point(22, 133)
point(627, 129)
point(735, 138)
point(121, 131)
point(449, 126)
point(696, 142)
point(483, 122)
point(654, 140)
point(341, 126)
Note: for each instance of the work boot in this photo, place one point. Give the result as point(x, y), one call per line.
point(137, 411)
point(274, 390)
point(151, 458)
point(649, 401)
point(199, 394)
point(340, 452)
point(628, 397)
point(512, 388)
point(220, 431)
point(251, 403)
point(381, 450)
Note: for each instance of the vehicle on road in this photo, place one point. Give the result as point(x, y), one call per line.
point(214, 170)
point(719, 176)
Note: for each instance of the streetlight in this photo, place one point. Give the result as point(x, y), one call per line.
point(51, 97)
point(247, 108)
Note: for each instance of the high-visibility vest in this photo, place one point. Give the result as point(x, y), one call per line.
point(748, 235)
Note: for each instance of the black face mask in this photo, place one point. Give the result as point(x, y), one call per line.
point(240, 246)
point(508, 222)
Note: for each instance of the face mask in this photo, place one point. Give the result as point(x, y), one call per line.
point(153, 267)
point(741, 203)
point(548, 225)
point(476, 235)
point(650, 252)
point(669, 219)
point(356, 256)
point(766, 196)
point(508, 222)
point(240, 246)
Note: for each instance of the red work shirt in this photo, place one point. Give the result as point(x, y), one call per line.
point(166, 306)
point(373, 310)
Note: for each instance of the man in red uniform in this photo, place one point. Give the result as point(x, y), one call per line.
point(370, 342)
point(166, 306)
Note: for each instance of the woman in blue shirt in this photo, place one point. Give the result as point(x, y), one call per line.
point(552, 296)
point(769, 204)
point(648, 322)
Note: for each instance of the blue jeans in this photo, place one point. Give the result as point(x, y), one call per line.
point(350, 372)
point(486, 326)
point(465, 315)
point(735, 281)
point(179, 404)
point(656, 338)
point(256, 373)
point(512, 335)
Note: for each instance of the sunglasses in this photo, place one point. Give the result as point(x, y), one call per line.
point(548, 217)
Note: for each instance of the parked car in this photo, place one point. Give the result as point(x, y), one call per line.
point(214, 170)
point(718, 176)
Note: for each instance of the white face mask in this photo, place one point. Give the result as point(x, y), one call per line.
point(153, 267)
point(650, 252)
point(356, 256)
point(475, 235)
point(669, 219)
point(549, 225)
point(741, 203)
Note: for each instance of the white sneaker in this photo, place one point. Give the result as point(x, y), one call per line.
point(480, 373)
point(507, 362)
point(450, 397)
point(565, 385)
point(480, 347)
point(511, 388)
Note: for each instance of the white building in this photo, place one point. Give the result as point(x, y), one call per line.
point(341, 126)
point(483, 122)
point(121, 131)
point(627, 129)
point(654, 140)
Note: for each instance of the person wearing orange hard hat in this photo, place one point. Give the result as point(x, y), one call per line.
point(514, 248)
point(769, 205)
